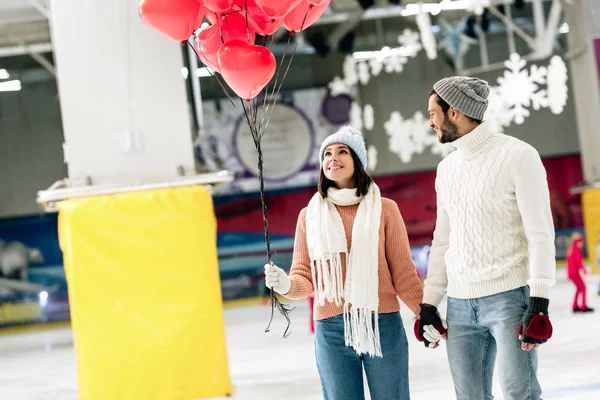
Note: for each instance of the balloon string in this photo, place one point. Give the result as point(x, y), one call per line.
point(275, 303)
point(214, 75)
point(257, 131)
point(276, 95)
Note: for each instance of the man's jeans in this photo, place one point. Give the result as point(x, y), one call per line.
point(478, 331)
point(341, 369)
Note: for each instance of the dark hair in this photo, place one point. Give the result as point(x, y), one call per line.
point(445, 106)
point(362, 180)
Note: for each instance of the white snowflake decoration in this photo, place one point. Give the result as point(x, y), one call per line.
point(338, 86)
point(409, 137)
point(520, 88)
point(356, 116)
point(376, 66)
point(363, 72)
point(355, 72)
point(369, 117)
point(399, 132)
point(421, 133)
point(411, 41)
point(441, 149)
point(350, 74)
point(497, 115)
point(371, 158)
point(395, 64)
point(557, 85)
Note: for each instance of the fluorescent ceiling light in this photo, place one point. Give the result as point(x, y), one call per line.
point(4, 74)
point(404, 51)
point(434, 8)
point(10, 86)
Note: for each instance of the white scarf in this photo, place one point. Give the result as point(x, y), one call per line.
point(326, 243)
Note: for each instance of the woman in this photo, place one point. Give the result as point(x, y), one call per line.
point(574, 265)
point(351, 250)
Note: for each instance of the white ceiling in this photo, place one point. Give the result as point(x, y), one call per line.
point(23, 21)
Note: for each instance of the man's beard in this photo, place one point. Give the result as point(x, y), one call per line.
point(449, 131)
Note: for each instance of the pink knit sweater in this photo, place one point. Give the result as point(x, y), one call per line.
point(397, 273)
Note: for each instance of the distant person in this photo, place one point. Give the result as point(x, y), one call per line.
point(575, 268)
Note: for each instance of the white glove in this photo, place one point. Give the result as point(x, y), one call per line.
point(277, 279)
point(432, 335)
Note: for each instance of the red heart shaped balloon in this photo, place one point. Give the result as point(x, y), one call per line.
point(277, 8)
point(218, 5)
point(246, 68)
point(304, 15)
point(211, 16)
point(234, 27)
point(262, 23)
point(209, 41)
point(176, 19)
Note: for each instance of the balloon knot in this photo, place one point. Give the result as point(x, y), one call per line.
point(310, 7)
point(248, 100)
point(292, 32)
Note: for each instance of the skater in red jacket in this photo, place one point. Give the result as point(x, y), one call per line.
point(574, 266)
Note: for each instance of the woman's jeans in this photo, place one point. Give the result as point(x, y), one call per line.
point(479, 330)
point(341, 369)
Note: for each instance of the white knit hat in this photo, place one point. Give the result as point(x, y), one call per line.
point(351, 138)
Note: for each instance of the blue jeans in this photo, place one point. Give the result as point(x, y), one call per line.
point(341, 369)
point(478, 331)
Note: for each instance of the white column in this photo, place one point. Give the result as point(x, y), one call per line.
point(124, 106)
point(583, 17)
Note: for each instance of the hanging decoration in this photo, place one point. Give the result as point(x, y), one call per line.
point(372, 158)
point(356, 120)
point(235, 50)
point(455, 43)
point(558, 91)
point(412, 136)
point(356, 71)
point(426, 31)
point(520, 89)
point(369, 117)
point(337, 86)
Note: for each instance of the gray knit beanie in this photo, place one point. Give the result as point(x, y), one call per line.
point(351, 138)
point(468, 95)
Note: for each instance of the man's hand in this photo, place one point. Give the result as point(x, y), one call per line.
point(535, 327)
point(430, 328)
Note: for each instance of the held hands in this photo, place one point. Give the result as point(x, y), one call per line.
point(535, 327)
point(430, 328)
point(277, 279)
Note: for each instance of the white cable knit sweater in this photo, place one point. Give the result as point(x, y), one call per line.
point(494, 229)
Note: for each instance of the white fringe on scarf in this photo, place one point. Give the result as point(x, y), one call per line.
point(327, 242)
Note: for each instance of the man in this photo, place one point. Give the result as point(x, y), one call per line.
point(492, 252)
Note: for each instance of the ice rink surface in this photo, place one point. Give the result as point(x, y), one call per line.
point(41, 365)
